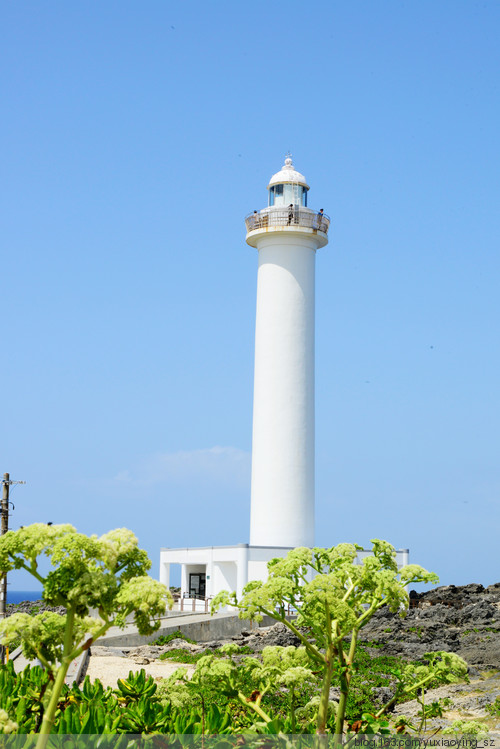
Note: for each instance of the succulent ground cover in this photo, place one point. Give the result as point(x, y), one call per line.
point(138, 704)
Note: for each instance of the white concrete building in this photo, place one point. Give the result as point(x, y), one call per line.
point(286, 234)
point(207, 570)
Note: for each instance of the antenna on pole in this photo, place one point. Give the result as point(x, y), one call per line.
point(4, 527)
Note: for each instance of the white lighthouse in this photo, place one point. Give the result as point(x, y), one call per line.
point(286, 234)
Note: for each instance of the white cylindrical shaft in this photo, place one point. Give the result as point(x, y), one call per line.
point(282, 495)
point(241, 569)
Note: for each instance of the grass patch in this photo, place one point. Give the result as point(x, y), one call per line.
point(480, 629)
point(177, 635)
point(185, 656)
point(489, 674)
point(181, 656)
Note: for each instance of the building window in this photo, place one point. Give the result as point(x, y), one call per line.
point(275, 195)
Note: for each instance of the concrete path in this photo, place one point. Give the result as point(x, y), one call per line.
point(77, 666)
point(199, 627)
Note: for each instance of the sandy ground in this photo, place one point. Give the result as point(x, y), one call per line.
point(111, 668)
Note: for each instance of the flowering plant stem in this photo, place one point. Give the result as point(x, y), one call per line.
point(55, 693)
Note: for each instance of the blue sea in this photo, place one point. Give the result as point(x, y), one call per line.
point(16, 596)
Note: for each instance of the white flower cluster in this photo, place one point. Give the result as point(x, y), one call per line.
point(6, 724)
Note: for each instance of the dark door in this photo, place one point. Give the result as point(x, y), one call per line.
point(197, 584)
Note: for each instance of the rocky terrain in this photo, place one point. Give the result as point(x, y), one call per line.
point(463, 620)
point(32, 607)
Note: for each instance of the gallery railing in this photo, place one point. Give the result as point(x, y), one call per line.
point(288, 217)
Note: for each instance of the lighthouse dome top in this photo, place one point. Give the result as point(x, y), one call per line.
point(288, 174)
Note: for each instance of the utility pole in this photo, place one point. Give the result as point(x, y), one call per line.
point(4, 527)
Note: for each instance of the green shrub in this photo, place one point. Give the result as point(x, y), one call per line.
point(494, 708)
point(179, 655)
point(177, 635)
point(185, 656)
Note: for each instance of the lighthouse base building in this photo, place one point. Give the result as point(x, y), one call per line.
point(207, 570)
point(287, 234)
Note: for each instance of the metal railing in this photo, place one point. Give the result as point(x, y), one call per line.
point(192, 603)
point(200, 605)
point(288, 217)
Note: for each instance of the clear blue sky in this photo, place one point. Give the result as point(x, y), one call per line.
point(135, 138)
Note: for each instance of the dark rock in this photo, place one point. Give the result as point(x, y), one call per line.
point(255, 643)
point(151, 650)
point(278, 634)
point(461, 619)
point(439, 612)
point(448, 595)
point(211, 645)
point(383, 695)
point(179, 644)
point(479, 612)
point(101, 650)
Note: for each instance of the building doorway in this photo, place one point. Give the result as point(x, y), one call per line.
point(197, 582)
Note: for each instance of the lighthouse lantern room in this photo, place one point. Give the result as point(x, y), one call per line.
point(287, 186)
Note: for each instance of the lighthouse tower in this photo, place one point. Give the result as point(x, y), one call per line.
point(286, 234)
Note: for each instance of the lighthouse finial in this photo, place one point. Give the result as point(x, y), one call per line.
point(288, 159)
